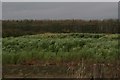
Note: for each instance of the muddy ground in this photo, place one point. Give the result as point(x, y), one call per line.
point(62, 70)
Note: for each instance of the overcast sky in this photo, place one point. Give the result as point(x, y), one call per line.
point(0, 10)
point(59, 0)
point(60, 10)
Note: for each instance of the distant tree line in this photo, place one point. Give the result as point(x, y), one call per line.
point(28, 27)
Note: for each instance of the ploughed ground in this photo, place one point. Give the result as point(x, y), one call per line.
point(73, 69)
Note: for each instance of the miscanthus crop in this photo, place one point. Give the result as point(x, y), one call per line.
point(61, 47)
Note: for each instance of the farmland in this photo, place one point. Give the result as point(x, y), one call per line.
point(60, 47)
point(61, 50)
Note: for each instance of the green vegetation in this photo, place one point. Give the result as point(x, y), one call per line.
point(60, 47)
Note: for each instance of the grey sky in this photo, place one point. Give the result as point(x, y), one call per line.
point(0, 10)
point(60, 0)
point(60, 10)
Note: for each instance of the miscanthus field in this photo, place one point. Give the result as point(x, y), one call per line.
point(62, 55)
point(66, 49)
point(61, 47)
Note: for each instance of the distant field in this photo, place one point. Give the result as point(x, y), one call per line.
point(60, 47)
